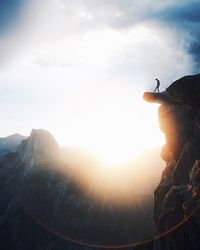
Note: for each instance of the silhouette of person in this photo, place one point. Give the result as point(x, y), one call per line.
point(157, 86)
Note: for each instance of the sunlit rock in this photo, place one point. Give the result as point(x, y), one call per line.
point(156, 97)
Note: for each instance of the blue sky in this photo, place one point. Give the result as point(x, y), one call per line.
point(9, 13)
point(79, 68)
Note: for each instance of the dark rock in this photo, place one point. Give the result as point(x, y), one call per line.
point(186, 90)
point(177, 197)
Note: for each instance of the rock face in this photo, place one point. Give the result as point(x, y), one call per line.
point(39, 146)
point(177, 197)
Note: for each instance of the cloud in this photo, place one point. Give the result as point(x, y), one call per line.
point(181, 17)
point(184, 19)
point(44, 21)
point(53, 32)
point(52, 61)
point(116, 14)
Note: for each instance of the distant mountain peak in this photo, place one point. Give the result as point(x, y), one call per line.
point(14, 138)
point(40, 145)
point(10, 143)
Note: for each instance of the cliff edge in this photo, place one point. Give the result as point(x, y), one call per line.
point(177, 196)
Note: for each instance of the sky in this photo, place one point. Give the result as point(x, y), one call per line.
point(78, 68)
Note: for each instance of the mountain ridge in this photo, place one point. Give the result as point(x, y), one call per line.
point(10, 143)
point(34, 183)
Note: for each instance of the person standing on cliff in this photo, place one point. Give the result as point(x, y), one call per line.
point(157, 86)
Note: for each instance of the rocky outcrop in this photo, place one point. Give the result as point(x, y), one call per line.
point(177, 197)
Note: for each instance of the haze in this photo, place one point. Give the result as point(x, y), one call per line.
point(79, 69)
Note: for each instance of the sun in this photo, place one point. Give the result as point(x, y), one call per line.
point(115, 133)
point(118, 128)
point(99, 109)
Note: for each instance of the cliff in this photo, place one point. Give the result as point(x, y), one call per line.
point(177, 197)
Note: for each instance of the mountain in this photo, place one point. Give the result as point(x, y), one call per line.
point(9, 144)
point(39, 146)
point(177, 197)
point(46, 202)
point(43, 206)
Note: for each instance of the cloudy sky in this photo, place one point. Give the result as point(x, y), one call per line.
point(78, 68)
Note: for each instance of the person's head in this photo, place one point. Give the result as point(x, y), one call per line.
point(156, 79)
